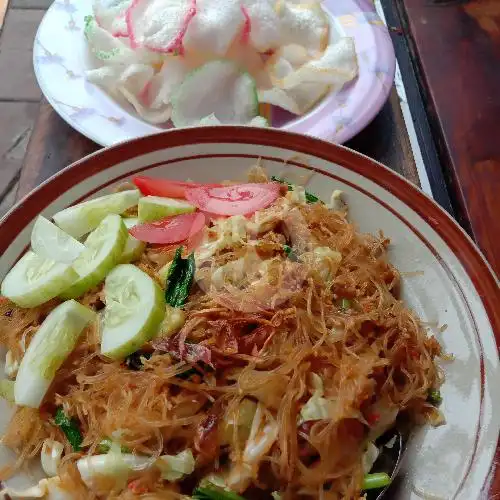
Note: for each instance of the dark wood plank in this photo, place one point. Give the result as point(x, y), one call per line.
point(457, 44)
point(54, 145)
point(386, 140)
point(416, 103)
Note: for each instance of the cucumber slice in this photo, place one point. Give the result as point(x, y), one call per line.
point(50, 242)
point(220, 88)
point(35, 280)
point(135, 306)
point(51, 345)
point(153, 208)
point(104, 248)
point(133, 247)
point(86, 216)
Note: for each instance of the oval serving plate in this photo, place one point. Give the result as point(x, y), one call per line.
point(455, 285)
point(60, 58)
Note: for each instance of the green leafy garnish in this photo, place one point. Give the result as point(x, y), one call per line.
point(105, 445)
point(310, 198)
point(180, 278)
point(376, 481)
point(70, 428)
point(290, 253)
point(214, 493)
point(434, 397)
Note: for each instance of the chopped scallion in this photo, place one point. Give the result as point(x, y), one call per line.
point(434, 397)
point(376, 480)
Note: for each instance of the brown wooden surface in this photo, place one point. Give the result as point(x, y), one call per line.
point(457, 46)
point(54, 144)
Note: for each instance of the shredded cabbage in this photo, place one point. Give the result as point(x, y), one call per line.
point(317, 407)
point(175, 467)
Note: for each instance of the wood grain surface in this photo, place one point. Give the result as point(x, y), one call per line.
point(457, 47)
point(54, 145)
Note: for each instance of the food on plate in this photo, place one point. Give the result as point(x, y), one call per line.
point(198, 62)
point(253, 346)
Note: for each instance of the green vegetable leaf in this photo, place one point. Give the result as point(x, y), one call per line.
point(310, 198)
point(290, 253)
point(214, 493)
point(179, 279)
point(70, 428)
point(376, 481)
point(434, 397)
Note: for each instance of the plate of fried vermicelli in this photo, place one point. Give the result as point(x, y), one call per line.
point(237, 313)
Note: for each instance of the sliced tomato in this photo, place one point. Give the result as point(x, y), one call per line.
point(237, 199)
point(171, 229)
point(165, 187)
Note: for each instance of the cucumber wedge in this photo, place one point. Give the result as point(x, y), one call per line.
point(153, 208)
point(135, 306)
point(84, 217)
point(51, 345)
point(133, 247)
point(35, 280)
point(220, 88)
point(50, 242)
point(104, 248)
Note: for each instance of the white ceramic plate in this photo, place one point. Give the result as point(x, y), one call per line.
point(60, 58)
point(456, 288)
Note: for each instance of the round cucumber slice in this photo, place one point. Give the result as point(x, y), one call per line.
point(135, 306)
point(51, 345)
point(220, 88)
point(35, 280)
point(50, 242)
point(104, 248)
point(153, 208)
point(133, 247)
point(84, 217)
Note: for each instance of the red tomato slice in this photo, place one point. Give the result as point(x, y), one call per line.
point(170, 230)
point(165, 187)
point(238, 199)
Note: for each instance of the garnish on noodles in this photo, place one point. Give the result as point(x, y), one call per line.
point(262, 360)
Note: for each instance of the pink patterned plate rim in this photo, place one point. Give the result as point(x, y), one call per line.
point(60, 58)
